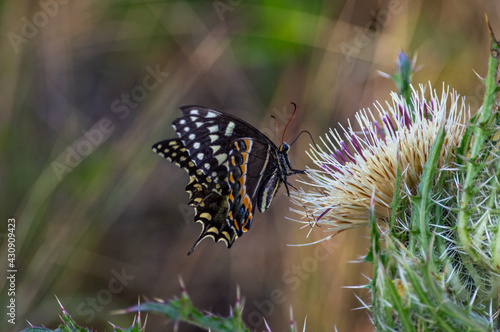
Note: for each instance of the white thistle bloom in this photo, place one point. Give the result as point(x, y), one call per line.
point(342, 184)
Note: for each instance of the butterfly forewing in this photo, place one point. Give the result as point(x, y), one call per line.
point(173, 150)
point(233, 170)
point(200, 132)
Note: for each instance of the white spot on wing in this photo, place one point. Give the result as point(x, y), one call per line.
point(211, 115)
point(213, 138)
point(229, 129)
point(192, 136)
point(196, 145)
point(200, 156)
point(215, 148)
point(213, 129)
point(221, 158)
point(194, 112)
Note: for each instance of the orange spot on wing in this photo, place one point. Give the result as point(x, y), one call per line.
point(247, 203)
point(242, 192)
point(248, 206)
point(248, 143)
point(241, 180)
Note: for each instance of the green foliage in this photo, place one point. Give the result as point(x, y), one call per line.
point(69, 325)
point(409, 288)
point(177, 310)
point(441, 273)
point(183, 310)
point(482, 156)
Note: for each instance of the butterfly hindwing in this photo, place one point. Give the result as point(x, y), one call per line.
point(211, 213)
point(241, 208)
point(209, 203)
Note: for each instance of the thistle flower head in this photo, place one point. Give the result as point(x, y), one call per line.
point(352, 165)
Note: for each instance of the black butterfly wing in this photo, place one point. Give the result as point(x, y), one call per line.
point(211, 213)
point(199, 129)
point(253, 179)
point(211, 207)
point(209, 136)
point(233, 169)
point(174, 151)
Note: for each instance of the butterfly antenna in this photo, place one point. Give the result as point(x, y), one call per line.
point(308, 133)
point(284, 131)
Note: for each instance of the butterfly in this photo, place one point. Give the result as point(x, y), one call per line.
point(233, 169)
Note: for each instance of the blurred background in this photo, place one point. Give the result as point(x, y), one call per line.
point(86, 87)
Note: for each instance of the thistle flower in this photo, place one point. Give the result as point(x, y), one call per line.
point(353, 166)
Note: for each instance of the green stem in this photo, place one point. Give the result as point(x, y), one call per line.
point(480, 133)
point(423, 202)
point(495, 259)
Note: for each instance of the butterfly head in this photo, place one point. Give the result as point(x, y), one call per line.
point(284, 148)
